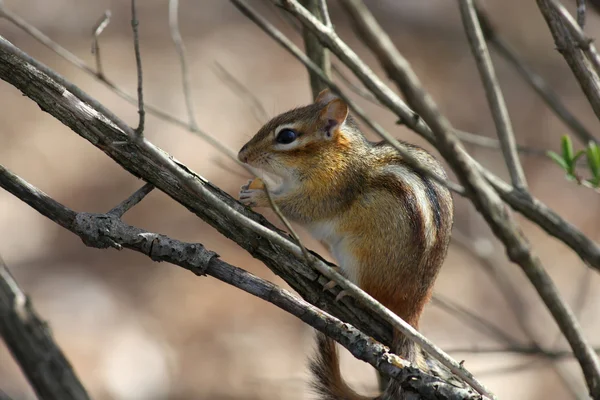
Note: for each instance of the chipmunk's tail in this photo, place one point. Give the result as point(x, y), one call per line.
point(330, 385)
point(328, 381)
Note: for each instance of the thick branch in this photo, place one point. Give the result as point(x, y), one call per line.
point(31, 344)
point(107, 230)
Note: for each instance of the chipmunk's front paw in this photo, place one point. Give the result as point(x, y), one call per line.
point(252, 197)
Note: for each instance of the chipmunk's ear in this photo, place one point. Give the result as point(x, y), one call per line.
point(325, 96)
point(334, 115)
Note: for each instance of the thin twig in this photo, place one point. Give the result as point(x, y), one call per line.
point(493, 93)
point(132, 200)
point(539, 84)
point(185, 74)
point(138, 63)
point(30, 341)
point(258, 110)
point(325, 13)
point(468, 317)
point(581, 13)
point(98, 29)
point(314, 49)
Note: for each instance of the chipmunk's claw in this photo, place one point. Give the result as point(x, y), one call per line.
point(341, 295)
point(249, 197)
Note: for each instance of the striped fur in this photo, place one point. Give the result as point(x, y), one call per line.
point(387, 224)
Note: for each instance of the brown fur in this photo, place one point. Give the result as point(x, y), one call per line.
point(396, 221)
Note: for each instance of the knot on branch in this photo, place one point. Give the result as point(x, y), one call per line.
point(107, 230)
point(98, 230)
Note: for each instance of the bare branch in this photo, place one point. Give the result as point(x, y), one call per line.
point(107, 230)
point(325, 13)
point(29, 340)
point(494, 94)
point(258, 111)
point(581, 13)
point(548, 220)
point(98, 29)
point(138, 63)
point(314, 49)
point(185, 74)
point(476, 322)
point(132, 200)
point(583, 42)
point(586, 73)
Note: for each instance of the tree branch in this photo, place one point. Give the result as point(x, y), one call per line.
point(314, 49)
point(30, 341)
point(494, 94)
point(584, 71)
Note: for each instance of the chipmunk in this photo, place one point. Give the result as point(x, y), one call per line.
point(386, 224)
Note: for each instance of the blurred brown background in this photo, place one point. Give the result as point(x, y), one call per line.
point(134, 329)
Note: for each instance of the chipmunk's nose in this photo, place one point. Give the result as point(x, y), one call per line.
point(243, 154)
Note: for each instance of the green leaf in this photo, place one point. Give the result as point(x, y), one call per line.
point(593, 158)
point(567, 150)
point(574, 161)
point(559, 160)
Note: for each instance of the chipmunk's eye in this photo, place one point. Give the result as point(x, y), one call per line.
point(286, 136)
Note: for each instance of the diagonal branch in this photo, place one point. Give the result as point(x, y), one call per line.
point(107, 230)
point(584, 71)
point(494, 94)
point(132, 200)
point(31, 344)
point(314, 49)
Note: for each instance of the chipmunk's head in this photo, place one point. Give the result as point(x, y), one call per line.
point(304, 139)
